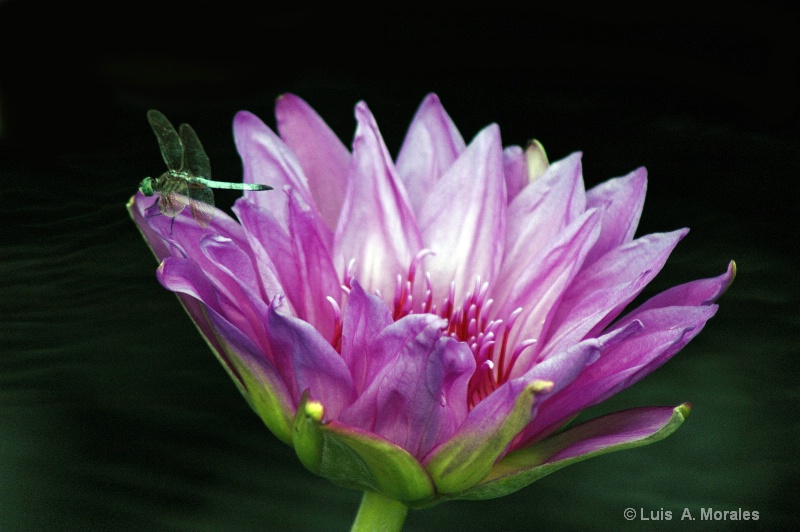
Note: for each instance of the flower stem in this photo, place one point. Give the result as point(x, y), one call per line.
point(378, 512)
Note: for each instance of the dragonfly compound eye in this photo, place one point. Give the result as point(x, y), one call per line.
point(146, 186)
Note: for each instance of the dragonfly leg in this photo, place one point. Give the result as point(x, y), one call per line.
point(149, 211)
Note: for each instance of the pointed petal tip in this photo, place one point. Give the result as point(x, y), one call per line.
point(684, 409)
point(243, 116)
point(493, 129)
point(362, 110)
point(245, 122)
point(288, 99)
point(284, 96)
point(431, 99)
point(732, 273)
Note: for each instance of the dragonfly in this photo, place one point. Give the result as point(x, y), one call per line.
point(186, 181)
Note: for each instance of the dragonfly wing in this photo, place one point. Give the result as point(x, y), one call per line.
point(168, 139)
point(195, 161)
point(173, 198)
point(202, 203)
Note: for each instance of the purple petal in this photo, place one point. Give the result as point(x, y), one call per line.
point(700, 292)
point(365, 316)
point(267, 160)
point(265, 389)
point(600, 291)
point(395, 338)
point(300, 259)
point(178, 236)
point(317, 277)
point(270, 244)
point(138, 206)
point(614, 429)
point(543, 209)
point(232, 272)
point(197, 295)
point(221, 294)
point(666, 331)
point(416, 399)
point(324, 159)
point(564, 367)
point(235, 349)
point(463, 219)
point(615, 432)
point(515, 170)
point(536, 217)
point(377, 228)
point(184, 276)
point(538, 288)
point(623, 199)
point(431, 146)
point(306, 361)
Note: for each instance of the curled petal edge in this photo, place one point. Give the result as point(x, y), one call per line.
point(640, 426)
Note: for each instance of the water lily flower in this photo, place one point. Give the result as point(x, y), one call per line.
point(425, 328)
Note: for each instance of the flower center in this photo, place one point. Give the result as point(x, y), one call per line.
point(467, 322)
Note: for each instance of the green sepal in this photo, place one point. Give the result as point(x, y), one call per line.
point(356, 459)
point(520, 468)
point(467, 457)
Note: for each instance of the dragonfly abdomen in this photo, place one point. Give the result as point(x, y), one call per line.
point(228, 186)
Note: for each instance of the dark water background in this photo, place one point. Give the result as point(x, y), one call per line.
point(115, 415)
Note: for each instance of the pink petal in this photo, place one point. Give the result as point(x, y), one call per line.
point(198, 296)
point(365, 316)
point(220, 292)
point(564, 367)
point(267, 160)
point(306, 361)
point(324, 159)
point(177, 236)
point(317, 277)
point(618, 428)
point(233, 347)
point(538, 288)
point(269, 241)
point(431, 146)
point(376, 228)
point(515, 170)
point(299, 258)
point(700, 292)
point(600, 291)
point(623, 200)
point(239, 345)
point(542, 210)
point(416, 400)
point(232, 272)
point(666, 331)
point(463, 218)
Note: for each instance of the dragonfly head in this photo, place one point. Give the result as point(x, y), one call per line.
point(146, 186)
